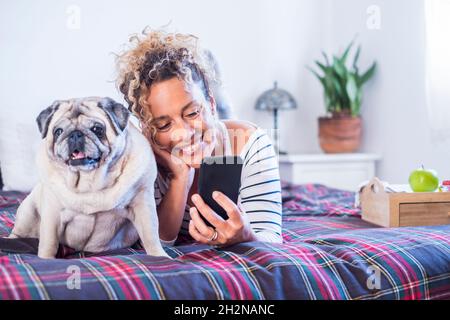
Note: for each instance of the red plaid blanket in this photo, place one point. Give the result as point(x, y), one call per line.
point(328, 253)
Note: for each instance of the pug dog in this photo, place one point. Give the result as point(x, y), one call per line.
point(96, 187)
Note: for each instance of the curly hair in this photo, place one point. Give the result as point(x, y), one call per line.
point(155, 56)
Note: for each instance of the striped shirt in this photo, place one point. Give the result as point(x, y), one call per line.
point(259, 194)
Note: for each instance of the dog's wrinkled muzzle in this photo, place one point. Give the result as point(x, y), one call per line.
point(77, 156)
point(76, 142)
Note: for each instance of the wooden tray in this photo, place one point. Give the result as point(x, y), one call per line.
point(403, 209)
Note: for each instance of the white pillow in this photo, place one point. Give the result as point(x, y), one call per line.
point(19, 140)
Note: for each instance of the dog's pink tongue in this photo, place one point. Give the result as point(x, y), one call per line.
point(78, 155)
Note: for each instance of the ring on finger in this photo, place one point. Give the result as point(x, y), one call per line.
point(214, 236)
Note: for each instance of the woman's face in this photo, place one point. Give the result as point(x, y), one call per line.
point(183, 120)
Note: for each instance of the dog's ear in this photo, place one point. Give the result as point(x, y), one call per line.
point(44, 118)
point(118, 115)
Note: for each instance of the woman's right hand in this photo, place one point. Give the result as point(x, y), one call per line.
point(176, 166)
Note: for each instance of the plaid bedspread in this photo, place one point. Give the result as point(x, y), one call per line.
point(328, 253)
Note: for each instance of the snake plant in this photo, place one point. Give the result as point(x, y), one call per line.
point(343, 85)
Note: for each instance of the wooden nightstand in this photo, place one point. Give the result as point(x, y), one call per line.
point(403, 209)
point(342, 171)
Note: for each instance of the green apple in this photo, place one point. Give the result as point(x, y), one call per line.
point(422, 180)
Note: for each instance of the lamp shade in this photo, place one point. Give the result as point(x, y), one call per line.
point(275, 99)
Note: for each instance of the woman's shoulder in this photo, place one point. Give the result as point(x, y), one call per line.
point(240, 124)
point(241, 132)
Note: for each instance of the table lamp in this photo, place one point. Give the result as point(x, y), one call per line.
point(273, 100)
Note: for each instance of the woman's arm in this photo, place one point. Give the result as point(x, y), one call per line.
point(171, 204)
point(171, 208)
point(260, 193)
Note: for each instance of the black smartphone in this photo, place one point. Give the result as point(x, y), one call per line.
point(219, 174)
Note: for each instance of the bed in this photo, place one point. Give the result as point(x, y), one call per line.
point(328, 253)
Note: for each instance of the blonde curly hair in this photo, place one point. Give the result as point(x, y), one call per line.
point(155, 56)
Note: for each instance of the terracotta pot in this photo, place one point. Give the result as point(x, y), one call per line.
point(340, 134)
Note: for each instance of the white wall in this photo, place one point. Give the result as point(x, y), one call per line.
point(256, 42)
point(394, 111)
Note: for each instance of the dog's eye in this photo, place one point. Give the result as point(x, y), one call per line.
point(57, 132)
point(98, 130)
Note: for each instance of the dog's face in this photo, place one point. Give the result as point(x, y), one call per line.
point(84, 133)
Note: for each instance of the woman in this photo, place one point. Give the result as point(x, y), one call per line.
point(166, 80)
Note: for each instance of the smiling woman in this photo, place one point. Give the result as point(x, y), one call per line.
point(166, 79)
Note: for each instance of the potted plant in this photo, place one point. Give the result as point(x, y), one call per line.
point(340, 130)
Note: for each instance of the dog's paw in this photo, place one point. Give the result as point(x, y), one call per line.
point(12, 236)
point(159, 253)
point(45, 253)
point(44, 256)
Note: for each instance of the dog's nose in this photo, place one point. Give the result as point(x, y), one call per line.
point(76, 141)
point(76, 134)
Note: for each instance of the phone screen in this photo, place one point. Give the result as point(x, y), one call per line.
point(219, 174)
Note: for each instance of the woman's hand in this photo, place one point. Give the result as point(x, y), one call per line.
point(234, 230)
point(176, 166)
